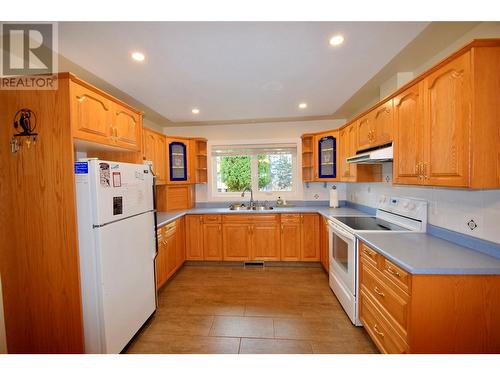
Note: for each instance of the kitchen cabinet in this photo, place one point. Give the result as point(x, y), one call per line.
point(236, 241)
point(291, 237)
point(194, 237)
point(308, 159)
point(212, 237)
point(179, 161)
point(99, 118)
point(251, 237)
point(408, 136)
point(375, 128)
point(265, 242)
point(201, 161)
point(324, 241)
point(325, 153)
point(155, 150)
point(171, 251)
point(310, 251)
point(405, 313)
point(447, 123)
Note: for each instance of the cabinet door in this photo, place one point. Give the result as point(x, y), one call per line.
point(127, 126)
point(180, 242)
point(352, 147)
point(291, 241)
point(447, 110)
point(382, 124)
point(343, 154)
point(177, 161)
point(310, 238)
point(161, 263)
point(364, 132)
point(91, 115)
point(161, 158)
point(327, 157)
point(324, 243)
point(194, 237)
point(171, 253)
point(265, 241)
point(212, 241)
point(408, 136)
point(236, 241)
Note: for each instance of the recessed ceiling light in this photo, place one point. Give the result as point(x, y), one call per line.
point(138, 56)
point(195, 111)
point(303, 105)
point(336, 40)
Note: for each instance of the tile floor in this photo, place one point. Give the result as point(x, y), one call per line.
point(231, 309)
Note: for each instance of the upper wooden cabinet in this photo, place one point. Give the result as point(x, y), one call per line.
point(155, 150)
point(96, 117)
point(325, 154)
point(179, 161)
point(447, 121)
point(408, 135)
point(308, 160)
point(375, 128)
point(446, 124)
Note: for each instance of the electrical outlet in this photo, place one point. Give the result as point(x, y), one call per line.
point(316, 196)
point(472, 224)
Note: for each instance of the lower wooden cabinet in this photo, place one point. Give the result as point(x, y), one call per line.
point(236, 241)
point(194, 238)
point(291, 237)
point(265, 241)
point(310, 251)
point(406, 313)
point(323, 243)
point(212, 241)
point(171, 251)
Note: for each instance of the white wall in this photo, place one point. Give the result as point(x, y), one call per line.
point(3, 341)
point(278, 132)
point(448, 208)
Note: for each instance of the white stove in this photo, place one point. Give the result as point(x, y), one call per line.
point(394, 215)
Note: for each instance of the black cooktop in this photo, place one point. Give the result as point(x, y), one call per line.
point(367, 223)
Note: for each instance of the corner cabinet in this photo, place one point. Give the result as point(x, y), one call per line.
point(326, 156)
point(178, 171)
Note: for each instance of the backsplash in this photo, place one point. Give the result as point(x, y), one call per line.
point(472, 212)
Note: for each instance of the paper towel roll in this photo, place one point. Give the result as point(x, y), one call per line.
point(334, 197)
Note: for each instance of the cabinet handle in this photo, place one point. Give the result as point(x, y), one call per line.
point(393, 271)
point(201, 218)
point(367, 253)
point(282, 227)
point(424, 171)
point(377, 331)
point(376, 290)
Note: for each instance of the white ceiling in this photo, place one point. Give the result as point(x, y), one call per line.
point(236, 70)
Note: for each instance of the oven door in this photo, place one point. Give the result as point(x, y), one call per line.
point(342, 254)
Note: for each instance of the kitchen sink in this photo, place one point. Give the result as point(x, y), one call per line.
point(237, 207)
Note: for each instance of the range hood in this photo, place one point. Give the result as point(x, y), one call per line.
point(373, 156)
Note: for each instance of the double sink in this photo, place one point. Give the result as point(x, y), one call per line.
point(242, 207)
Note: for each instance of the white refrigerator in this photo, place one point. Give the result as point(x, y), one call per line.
point(117, 247)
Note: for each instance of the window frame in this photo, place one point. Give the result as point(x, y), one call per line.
point(258, 195)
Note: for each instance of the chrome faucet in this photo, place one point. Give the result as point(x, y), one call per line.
point(252, 203)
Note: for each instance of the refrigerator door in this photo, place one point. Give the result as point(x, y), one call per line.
point(119, 190)
point(126, 250)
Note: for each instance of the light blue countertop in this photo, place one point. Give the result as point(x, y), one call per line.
point(167, 217)
point(421, 253)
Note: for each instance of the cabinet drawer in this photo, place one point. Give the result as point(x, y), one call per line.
point(399, 276)
point(386, 298)
point(379, 329)
point(249, 218)
point(212, 218)
point(290, 218)
point(369, 254)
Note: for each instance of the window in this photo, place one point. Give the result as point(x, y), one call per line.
point(265, 169)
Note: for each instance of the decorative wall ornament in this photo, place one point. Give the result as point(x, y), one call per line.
point(24, 124)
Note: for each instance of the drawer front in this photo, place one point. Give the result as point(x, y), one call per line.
point(170, 228)
point(290, 218)
point(212, 218)
point(249, 218)
point(386, 298)
point(399, 276)
point(379, 329)
point(369, 254)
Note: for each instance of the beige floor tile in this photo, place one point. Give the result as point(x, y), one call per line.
point(236, 326)
point(274, 346)
point(169, 344)
point(179, 325)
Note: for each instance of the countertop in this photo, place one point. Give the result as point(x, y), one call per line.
point(167, 217)
point(421, 253)
point(417, 253)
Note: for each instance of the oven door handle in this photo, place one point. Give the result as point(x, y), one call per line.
point(336, 229)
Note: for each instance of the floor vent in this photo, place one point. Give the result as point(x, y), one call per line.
point(254, 264)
